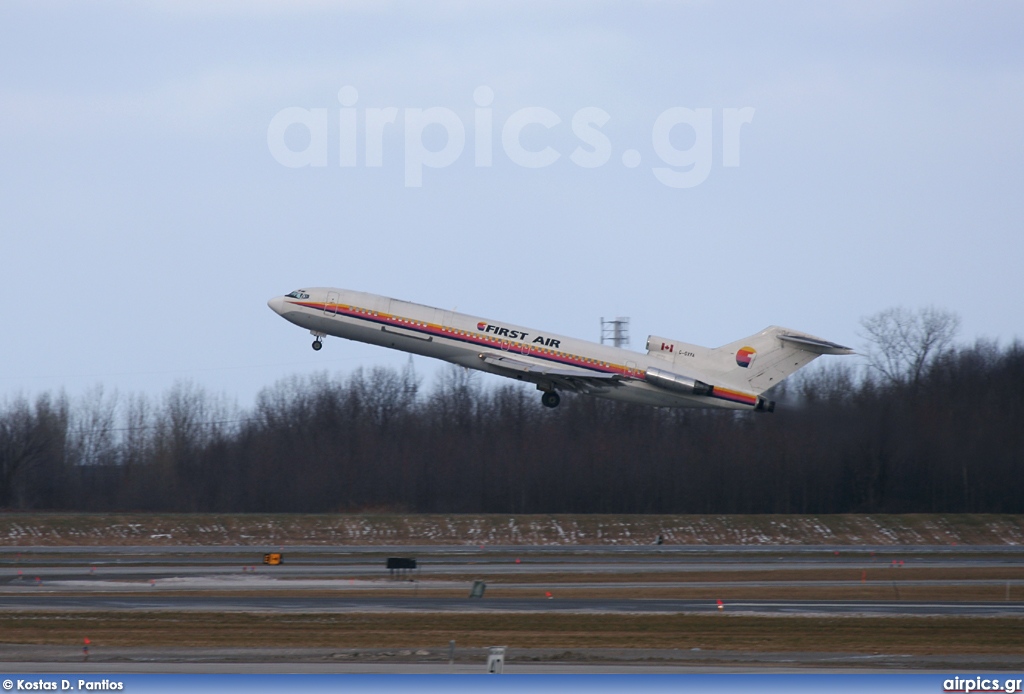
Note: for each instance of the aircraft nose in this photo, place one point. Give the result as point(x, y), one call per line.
point(276, 304)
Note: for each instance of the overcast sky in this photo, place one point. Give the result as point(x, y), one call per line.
point(846, 157)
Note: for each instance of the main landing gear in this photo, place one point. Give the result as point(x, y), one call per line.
point(550, 399)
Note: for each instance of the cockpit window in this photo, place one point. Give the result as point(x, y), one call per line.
point(299, 294)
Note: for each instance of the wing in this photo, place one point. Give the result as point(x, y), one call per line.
point(564, 377)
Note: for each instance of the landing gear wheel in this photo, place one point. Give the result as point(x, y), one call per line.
point(550, 399)
point(317, 345)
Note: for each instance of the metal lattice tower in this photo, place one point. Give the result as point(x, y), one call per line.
point(615, 331)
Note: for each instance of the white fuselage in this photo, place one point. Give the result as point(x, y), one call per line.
point(549, 360)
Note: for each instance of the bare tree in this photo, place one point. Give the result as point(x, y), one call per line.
point(830, 382)
point(137, 439)
point(367, 441)
point(92, 428)
point(902, 343)
point(457, 392)
point(32, 443)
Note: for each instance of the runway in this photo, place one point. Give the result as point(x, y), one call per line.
point(581, 599)
point(762, 580)
point(328, 605)
point(51, 659)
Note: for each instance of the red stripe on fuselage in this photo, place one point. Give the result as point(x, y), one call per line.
point(513, 346)
point(465, 336)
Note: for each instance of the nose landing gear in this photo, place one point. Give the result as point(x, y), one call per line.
point(318, 340)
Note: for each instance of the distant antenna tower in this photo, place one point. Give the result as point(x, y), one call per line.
point(615, 332)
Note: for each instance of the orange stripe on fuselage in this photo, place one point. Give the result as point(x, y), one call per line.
point(734, 395)
point(463, 336)
point(532, 351)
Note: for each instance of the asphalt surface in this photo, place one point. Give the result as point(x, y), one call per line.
point(204, 578)
point(62, 659)
point(145, 562)
point(319, 579)
point(310, 604)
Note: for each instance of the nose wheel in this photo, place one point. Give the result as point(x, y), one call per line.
point(550, 399)
point(317, 345)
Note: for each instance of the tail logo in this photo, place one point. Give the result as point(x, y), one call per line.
point(745, 355)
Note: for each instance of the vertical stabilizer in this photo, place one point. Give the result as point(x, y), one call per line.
point(758, 362)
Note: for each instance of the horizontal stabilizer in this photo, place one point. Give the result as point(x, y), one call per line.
point(816, 345)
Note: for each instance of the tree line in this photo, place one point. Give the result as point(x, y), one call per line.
point(935, 434)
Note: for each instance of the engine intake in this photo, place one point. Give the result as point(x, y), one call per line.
point(677, 382)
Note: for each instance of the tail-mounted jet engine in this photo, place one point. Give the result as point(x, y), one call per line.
point(691, 386)
point(677, 382)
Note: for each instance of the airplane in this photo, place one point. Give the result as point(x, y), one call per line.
point(671, 374)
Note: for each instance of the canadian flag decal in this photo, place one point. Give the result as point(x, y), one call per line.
point(667, 348)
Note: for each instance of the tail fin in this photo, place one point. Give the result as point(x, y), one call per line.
point(758, 362)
